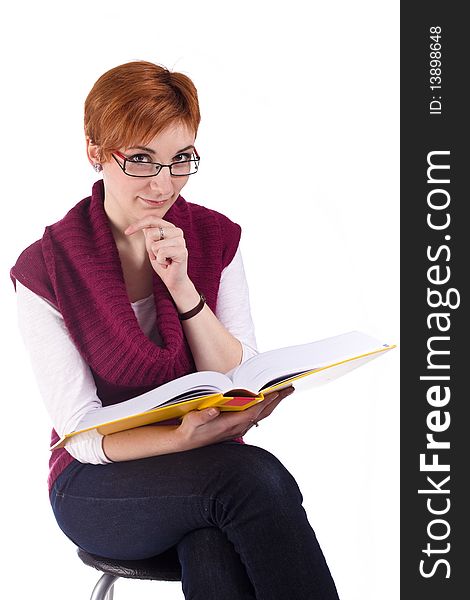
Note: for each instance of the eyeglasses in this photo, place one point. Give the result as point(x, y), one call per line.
point(145, 168)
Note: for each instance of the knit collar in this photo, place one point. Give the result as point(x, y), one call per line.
point(88, 279)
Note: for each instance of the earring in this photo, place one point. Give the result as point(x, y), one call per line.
point(97, 167)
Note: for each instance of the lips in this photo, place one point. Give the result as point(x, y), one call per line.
point(155, 203)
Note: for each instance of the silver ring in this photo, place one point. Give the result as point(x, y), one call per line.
point(162, 233)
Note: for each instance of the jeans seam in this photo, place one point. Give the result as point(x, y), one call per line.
point(133, 498)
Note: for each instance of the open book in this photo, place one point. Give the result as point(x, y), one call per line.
point(244, 386)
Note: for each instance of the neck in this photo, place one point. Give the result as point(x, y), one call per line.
point(118, 222)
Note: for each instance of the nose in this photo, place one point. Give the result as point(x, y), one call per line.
point(162, 183)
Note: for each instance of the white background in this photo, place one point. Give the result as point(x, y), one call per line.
point(299, 144)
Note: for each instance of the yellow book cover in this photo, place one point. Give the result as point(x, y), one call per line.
point(315, 363)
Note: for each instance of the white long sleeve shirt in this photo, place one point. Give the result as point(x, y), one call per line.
point(64, 379)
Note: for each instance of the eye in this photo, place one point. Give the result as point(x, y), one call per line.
point(182, 157)
point(140, 158)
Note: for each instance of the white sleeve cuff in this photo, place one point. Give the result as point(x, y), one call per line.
point(87, 447)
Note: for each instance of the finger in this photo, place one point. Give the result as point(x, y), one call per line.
point(196, 418)
point(170, 246)
point(235, 426)
point(176, 254)
point(287, 391)
point(269, 408)
point(238, 420)
point(154, 240)
point(283, 392)
point(259, 411)
point(270, 397)
point(145, 222)
point(169, 233)
point(166, 243)
point(253, 413)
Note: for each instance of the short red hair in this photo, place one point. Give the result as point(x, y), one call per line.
point(132, 103)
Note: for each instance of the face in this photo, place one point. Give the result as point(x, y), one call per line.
point(128, 199)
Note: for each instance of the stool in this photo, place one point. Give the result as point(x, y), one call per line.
point(164, 567)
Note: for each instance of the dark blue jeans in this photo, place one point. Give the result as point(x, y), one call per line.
point(233, 512)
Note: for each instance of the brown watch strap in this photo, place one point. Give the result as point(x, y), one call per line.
point(195, 310)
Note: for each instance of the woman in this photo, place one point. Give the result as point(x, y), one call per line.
point(135, 287)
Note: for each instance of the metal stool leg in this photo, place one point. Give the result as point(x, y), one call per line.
point(104, 589)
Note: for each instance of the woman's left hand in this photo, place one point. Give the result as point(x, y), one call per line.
point(271, 405)
point(168, 256)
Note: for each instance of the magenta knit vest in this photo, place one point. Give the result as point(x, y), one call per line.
point(76, 267)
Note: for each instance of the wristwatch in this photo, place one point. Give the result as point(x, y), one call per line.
point(187, 315)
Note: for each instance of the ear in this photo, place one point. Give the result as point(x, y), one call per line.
point(93, 152)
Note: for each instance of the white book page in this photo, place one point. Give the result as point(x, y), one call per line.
point(258, 371)
point(192, 385)
point(324, 375)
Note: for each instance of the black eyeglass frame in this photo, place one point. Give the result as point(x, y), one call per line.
point(158, 166)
